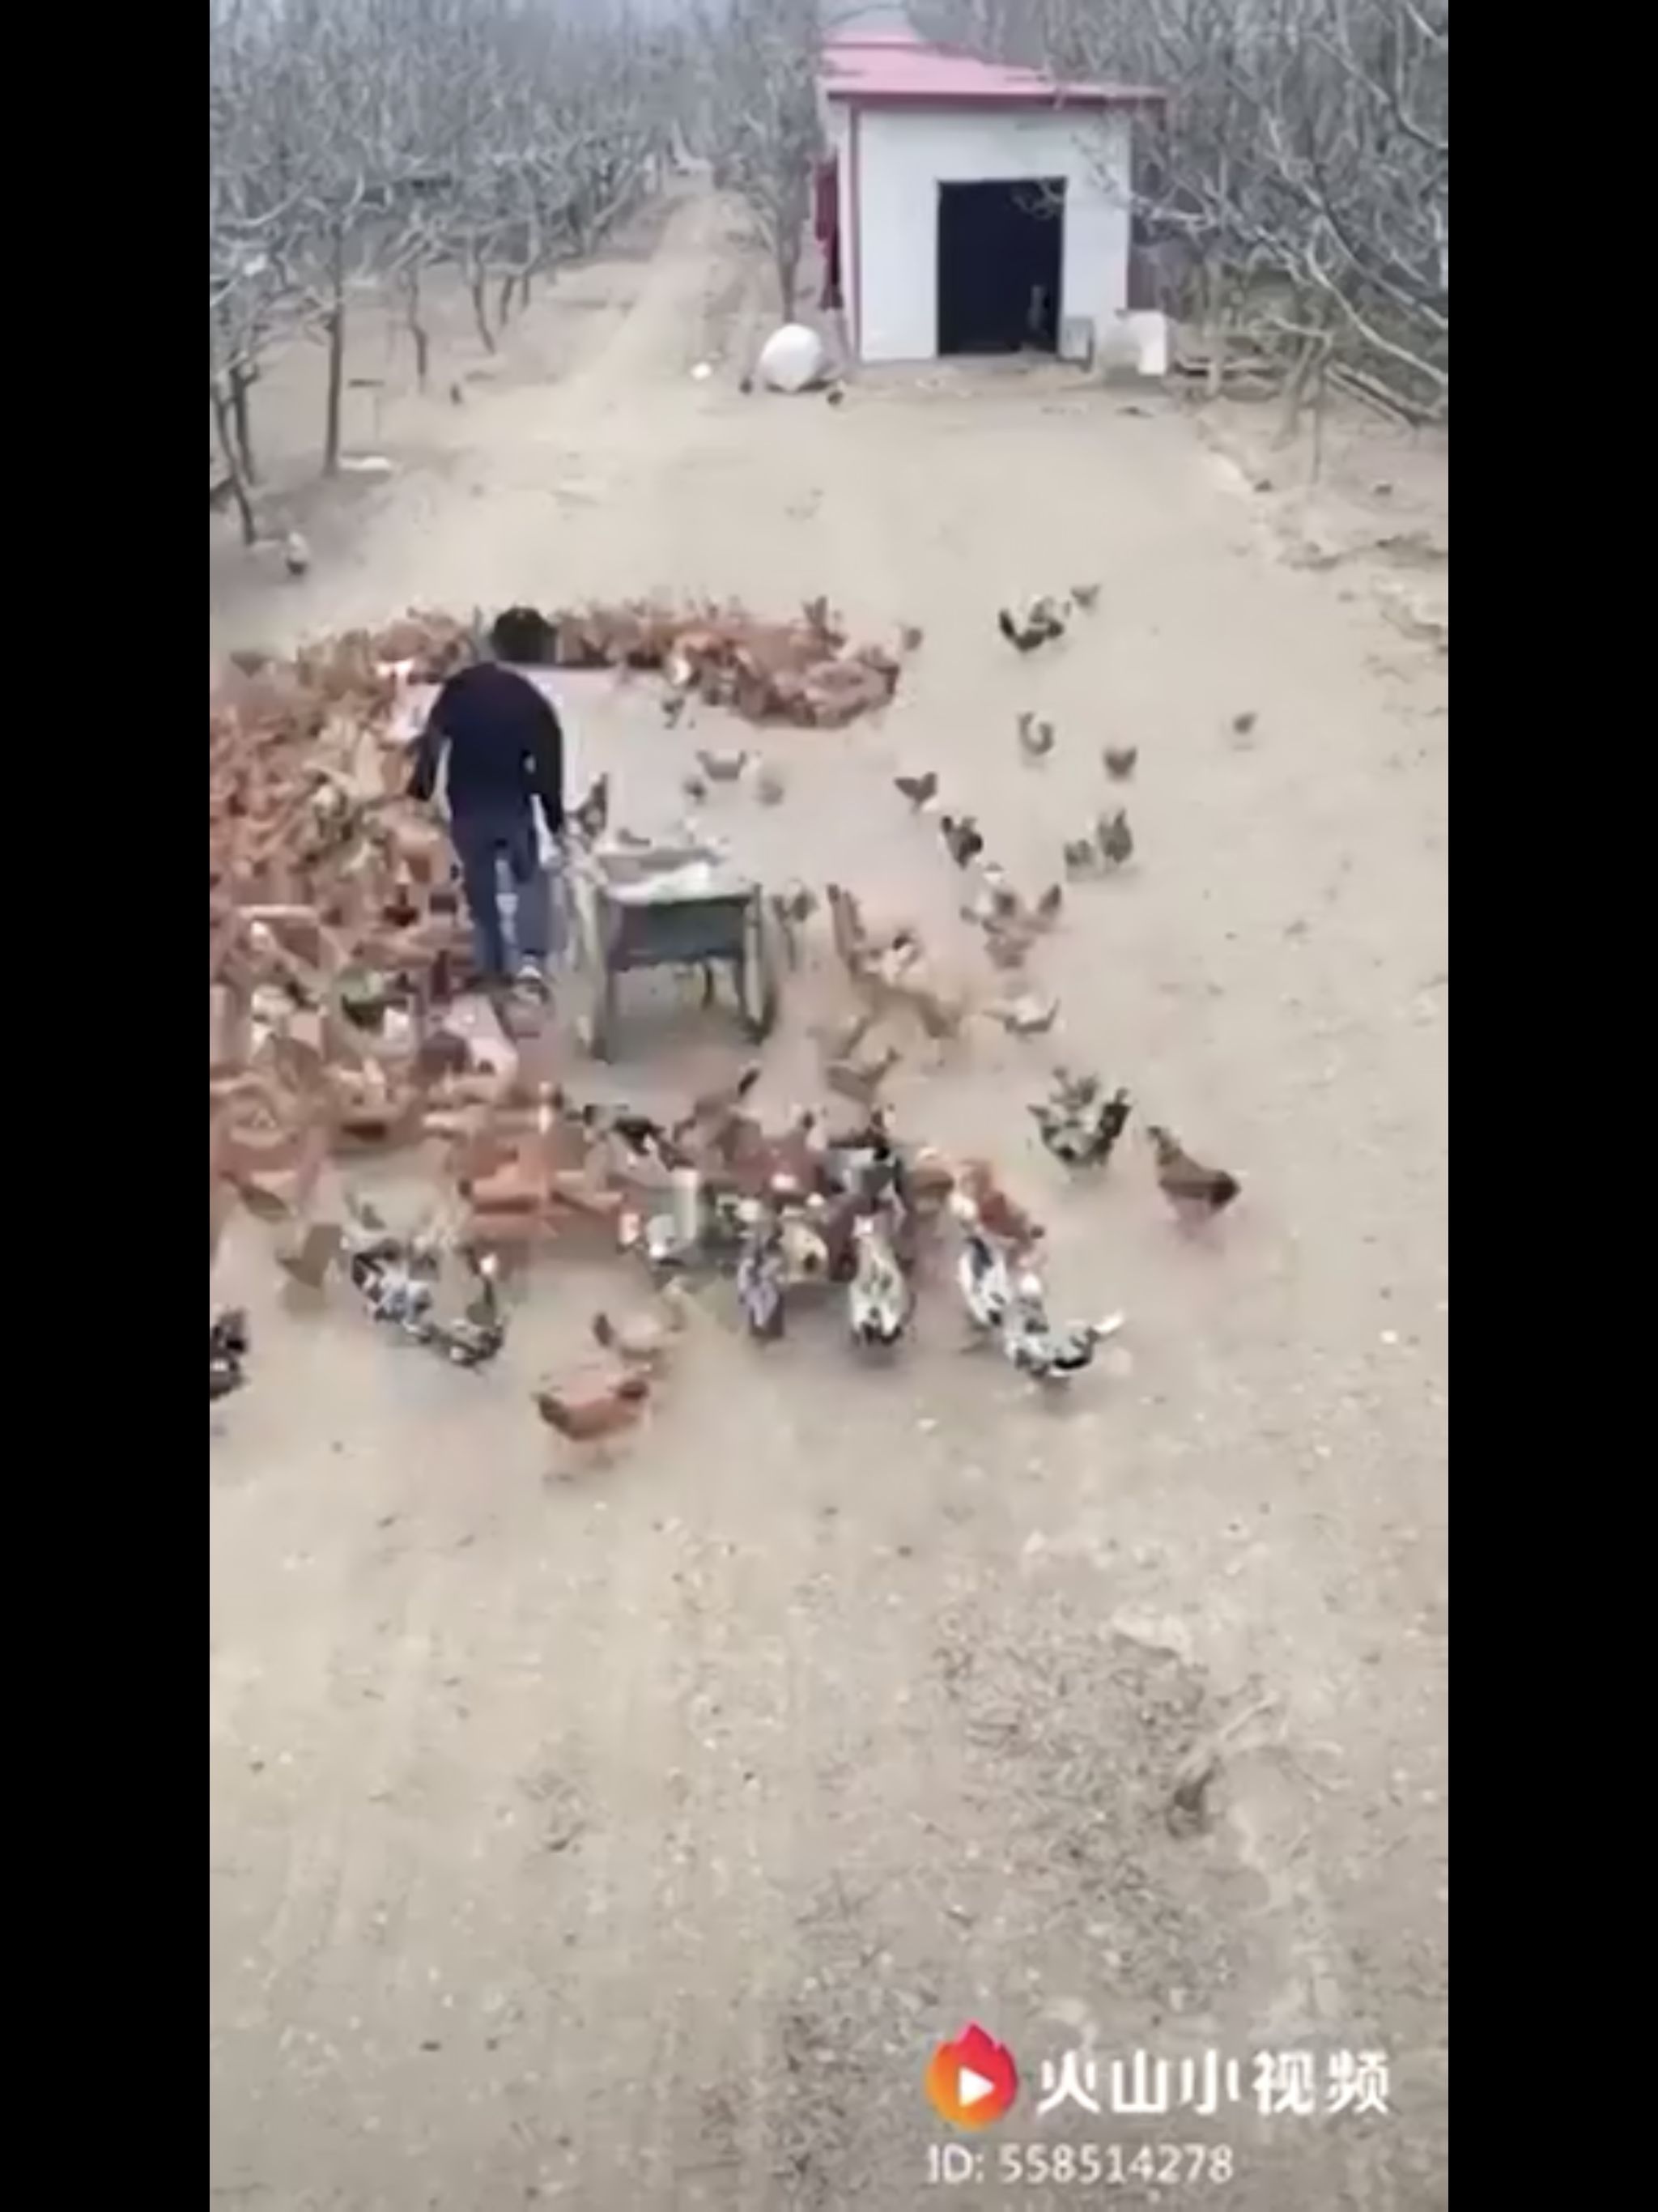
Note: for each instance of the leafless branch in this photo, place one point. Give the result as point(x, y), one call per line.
point(759, 118)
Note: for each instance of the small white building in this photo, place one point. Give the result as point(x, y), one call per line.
point(969, 208)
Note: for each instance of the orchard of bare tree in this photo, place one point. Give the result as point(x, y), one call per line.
point(358, 140)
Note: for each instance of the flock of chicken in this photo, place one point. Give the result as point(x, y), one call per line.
point(819, 1213)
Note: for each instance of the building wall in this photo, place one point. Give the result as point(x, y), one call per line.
point(892, 168)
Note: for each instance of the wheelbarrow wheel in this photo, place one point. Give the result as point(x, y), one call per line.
point(597, 1025)
point(592, 985)
point(759, 1006)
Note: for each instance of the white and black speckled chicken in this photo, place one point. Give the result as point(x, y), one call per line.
point(1045, 1352)
point(473, 1338)
point(1083, 1135)
point(394, 1276)
point(879, 1300)
point(762, 1278)
point(982, 1274)
point(228, 1343)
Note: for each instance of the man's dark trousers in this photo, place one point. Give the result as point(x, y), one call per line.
point(499, 855)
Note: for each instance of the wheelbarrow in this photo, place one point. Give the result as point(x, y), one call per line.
point(667, 907)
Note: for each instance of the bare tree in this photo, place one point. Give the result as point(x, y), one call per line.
point(761, 121)
point(1300, 196)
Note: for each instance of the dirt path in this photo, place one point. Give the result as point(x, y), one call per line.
point(630, 1844)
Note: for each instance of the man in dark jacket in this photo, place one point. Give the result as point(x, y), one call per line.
point(503, 748)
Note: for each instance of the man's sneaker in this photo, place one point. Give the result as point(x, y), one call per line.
point(531, 982)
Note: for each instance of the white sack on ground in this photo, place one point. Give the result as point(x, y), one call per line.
point(791, 358)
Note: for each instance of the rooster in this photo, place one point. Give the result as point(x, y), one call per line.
point(1041, 626)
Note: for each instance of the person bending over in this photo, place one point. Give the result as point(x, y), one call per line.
point(497, 744)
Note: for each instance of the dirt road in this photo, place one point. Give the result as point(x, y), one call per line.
point(629, 1843)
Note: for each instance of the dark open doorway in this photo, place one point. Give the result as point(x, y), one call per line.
point(1000, 248)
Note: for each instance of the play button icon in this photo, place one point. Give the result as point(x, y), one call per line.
point(971, 2081)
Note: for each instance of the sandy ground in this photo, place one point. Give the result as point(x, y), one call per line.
point(630, 1842)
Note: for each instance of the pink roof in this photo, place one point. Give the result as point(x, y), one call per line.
point(898, 72)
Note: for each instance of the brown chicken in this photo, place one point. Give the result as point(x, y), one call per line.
point(1120, 761)
point(931, 1179)
point(846, 926)
point(439, 1057)
point(1025, 1016)
point(859, 1080)
point(591, 816)
point(920, 790)
point(941, 1013)
point(789, 911)
point(963, 839)
point(719, 1104)
point(797, 904)
point(1041, 626)
point(307, 1260)
point(598, 1412)
point(838, 1041)
point(1008, 945)
point(723, 767)
point(997, 1213)
point(644, 1342)
point(1036, 739)
point(1116, 839)
point(1197, 1193)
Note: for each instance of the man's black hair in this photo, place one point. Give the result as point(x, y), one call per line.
point(522, 638)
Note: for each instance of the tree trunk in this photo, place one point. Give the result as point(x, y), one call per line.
point(787, 263)
point(241, 421)
point(224, 422)
point(477, 287)
point(333, 437)
point(413, 316)
point(1216, 289)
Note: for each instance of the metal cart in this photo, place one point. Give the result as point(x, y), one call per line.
point(629, 911)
